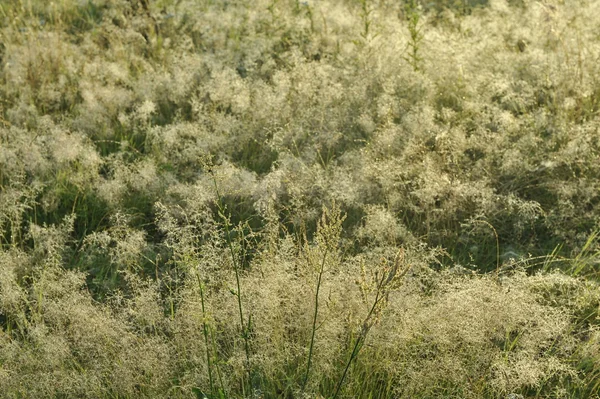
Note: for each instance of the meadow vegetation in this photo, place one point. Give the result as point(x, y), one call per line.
point(299, 199)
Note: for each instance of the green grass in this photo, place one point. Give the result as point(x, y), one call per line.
point(286, 199)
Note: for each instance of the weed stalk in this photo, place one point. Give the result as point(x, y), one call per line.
point(383, 287)
point(314, 322)
point(205, 332)
point(416, 36)
point(236, 268)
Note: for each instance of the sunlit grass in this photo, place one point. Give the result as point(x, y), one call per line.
point(299, 199)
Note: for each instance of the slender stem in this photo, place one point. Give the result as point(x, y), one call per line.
point(219, 376)
point(236, 269)
point(239, 290)
point(362, 335)
point(314, 324)
point(205, 328)
point(352, 356)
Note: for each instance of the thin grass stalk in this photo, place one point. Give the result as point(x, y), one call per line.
point(382, 291)
point(362, 336)
point(238, 287)
point(314, 323)
point(238, 294)
point(219, 375)
point(552, 258)
point(580, 261)
point(205, 332)
point(353, 355)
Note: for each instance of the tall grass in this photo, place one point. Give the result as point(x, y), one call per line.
point(288, 199)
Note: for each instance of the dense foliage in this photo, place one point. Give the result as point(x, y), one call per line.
point(299, 199)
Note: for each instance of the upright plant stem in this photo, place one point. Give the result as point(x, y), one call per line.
point(314, 324)
point(237, 272)
point(205, 328)
point(239, 289)
point(354, 353)
point(219, 376)
point(363, 334)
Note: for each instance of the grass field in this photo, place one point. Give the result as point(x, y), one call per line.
point(299, 199)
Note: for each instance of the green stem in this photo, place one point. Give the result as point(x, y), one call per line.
point(237, 272)
point(354, 354)
point(219, 376)
point(205, 330)
point(362, 336)
point(314, 324)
